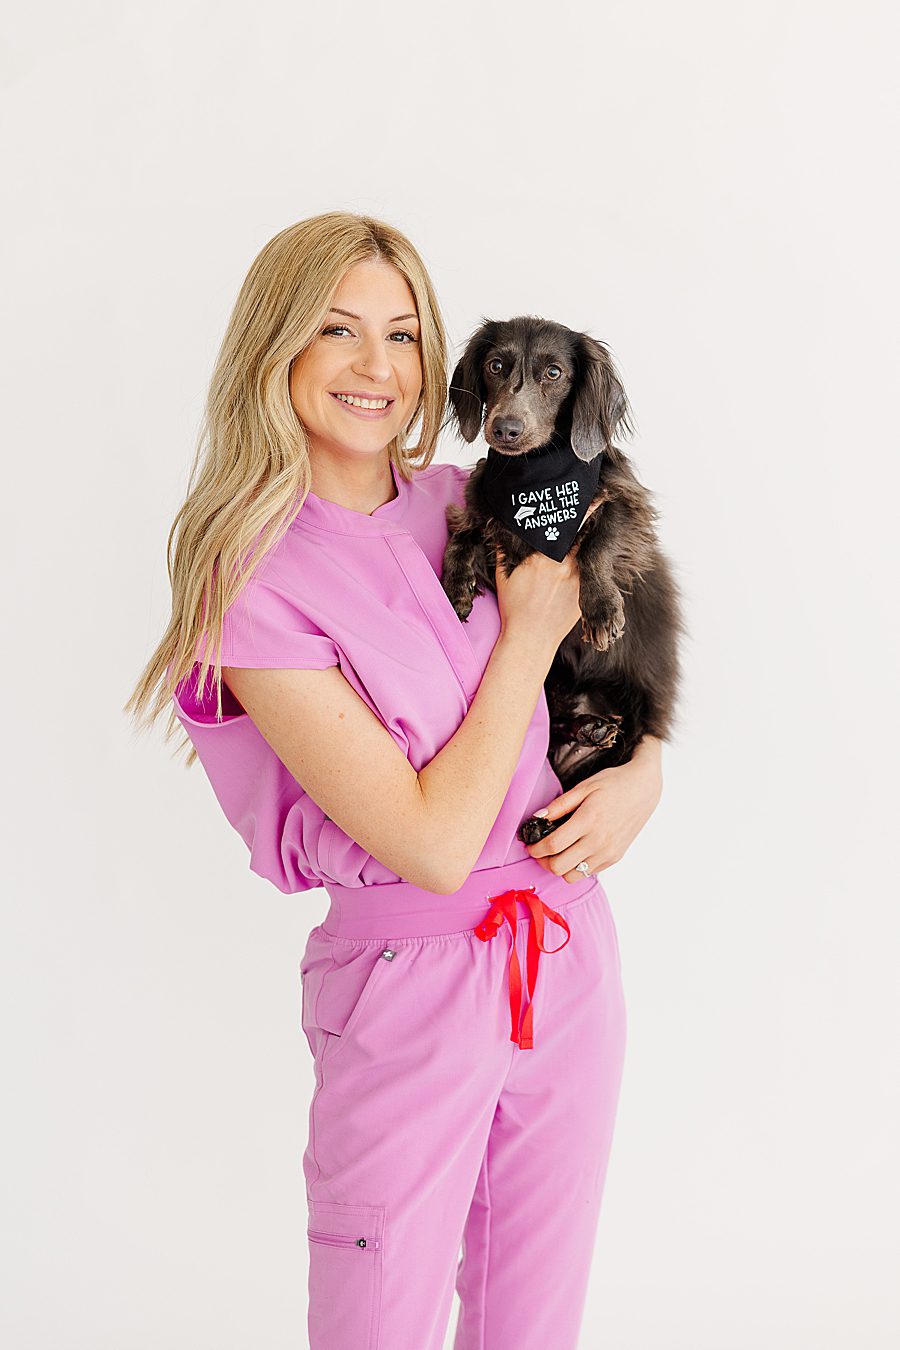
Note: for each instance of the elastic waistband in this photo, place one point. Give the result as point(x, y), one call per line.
point(397, 909)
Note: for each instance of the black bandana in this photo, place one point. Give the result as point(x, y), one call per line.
point(542, 496)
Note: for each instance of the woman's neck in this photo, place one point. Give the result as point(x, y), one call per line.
point(362, 486)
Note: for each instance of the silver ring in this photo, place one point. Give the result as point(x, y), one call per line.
point(583, 867)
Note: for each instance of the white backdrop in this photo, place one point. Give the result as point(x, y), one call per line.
point(709, 188)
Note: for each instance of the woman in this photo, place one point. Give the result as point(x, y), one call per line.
point(311, 643)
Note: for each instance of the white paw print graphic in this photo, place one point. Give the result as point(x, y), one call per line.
point(551, 532)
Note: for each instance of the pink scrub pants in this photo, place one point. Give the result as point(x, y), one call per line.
point(434, 1125)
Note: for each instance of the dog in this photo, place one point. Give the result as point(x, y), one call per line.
point(540, 389)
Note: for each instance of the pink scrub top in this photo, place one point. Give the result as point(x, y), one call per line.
point(361, 592)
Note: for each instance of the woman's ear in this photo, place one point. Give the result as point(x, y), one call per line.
point(467, 392)
point(601, 406)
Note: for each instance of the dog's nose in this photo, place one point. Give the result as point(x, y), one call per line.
point(507, 429)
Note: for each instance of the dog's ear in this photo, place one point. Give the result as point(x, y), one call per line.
point(467, 392)
point(601, 406)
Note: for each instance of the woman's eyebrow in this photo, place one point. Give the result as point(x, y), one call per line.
point(347, 314)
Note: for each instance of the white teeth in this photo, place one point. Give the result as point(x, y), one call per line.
point(376, 403)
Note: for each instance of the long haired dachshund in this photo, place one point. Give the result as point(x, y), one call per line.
point(536, 386)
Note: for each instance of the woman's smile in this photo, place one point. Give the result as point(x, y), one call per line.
point(369, 406)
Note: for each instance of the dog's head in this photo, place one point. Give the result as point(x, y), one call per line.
point(529, 379)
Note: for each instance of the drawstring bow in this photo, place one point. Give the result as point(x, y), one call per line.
point(503, 909)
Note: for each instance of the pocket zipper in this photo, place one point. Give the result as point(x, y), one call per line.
point(341, 1240)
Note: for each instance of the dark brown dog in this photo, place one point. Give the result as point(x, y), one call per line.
point(533, 383)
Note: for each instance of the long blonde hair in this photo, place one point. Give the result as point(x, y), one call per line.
point(251, 470)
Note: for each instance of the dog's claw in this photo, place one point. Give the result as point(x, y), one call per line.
point(535, 828)
point(603, 633)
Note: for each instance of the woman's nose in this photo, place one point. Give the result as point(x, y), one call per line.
point(373, 359)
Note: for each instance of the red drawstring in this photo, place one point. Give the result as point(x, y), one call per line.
point(504, 907)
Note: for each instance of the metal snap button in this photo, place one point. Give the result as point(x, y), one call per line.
point(388, 954)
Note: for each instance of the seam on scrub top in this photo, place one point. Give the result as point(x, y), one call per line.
point(277, 662)
point(329, 846)
point(564, 908)
point(431, 624)
point(357, 534)
point(312, 1128)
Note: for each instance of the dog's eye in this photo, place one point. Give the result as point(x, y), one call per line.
point(553, 372)
point(495, 366)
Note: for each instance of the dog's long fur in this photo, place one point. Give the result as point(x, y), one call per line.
point(615, 677)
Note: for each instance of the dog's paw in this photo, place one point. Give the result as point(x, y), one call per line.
point(591, 730)
point(535, 828)
point(462, 600)
point(605, 624)
point(461, 587)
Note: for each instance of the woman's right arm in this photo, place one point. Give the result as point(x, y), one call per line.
point(428, 827)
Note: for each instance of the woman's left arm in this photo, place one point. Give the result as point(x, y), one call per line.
point(608, 811)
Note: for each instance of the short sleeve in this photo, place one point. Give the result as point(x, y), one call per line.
point(266, 628)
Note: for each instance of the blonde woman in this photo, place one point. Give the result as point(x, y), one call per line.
point(361, 738)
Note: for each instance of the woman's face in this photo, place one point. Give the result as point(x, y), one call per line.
point(368, 348)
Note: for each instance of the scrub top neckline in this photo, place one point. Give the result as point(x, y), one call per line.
point(321, 514)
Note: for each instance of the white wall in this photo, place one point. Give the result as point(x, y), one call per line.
point(710, 189)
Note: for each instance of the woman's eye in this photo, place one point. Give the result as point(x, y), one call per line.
point(401, 332)
point(495, 366)
point(553, 372)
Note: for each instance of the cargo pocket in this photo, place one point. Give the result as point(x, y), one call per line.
point(346, 1253)
point(338, 981)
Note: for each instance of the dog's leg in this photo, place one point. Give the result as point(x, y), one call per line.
point(459, 578)
point(602, 606)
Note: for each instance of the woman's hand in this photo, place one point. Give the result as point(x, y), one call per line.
point(609, 810)
point(541, 595)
